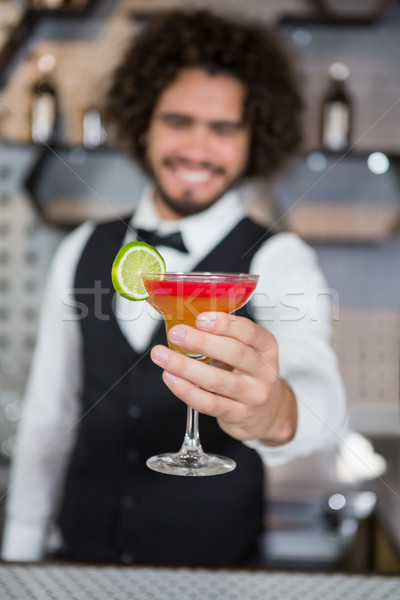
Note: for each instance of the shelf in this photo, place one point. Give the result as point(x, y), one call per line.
point(328, 197)
point(344, 223)
point(353, 11)
point(69, 185)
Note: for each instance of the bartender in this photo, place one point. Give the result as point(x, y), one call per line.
point(202, 103)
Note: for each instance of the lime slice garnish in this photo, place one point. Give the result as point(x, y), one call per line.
point(131, 261)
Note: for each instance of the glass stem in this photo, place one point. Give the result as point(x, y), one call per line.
point(191, 442)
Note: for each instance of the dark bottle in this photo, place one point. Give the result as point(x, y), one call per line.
point(336, 110)
point(44, 102)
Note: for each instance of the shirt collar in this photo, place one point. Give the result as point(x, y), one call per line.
point(200, 232)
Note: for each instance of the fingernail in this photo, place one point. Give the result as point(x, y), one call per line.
point(206, 320)
point(159, 356)
point(168, 377)
point(177, 334)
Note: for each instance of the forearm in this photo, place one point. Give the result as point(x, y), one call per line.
point(321, 417)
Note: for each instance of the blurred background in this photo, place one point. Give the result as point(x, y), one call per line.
point(59, 167)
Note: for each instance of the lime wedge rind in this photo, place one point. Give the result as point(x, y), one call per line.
point(131, 262)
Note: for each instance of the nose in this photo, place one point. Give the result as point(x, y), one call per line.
point(198, 142)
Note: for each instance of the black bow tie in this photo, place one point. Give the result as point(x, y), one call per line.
point(173, 240)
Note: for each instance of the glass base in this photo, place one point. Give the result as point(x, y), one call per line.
point(191, 464)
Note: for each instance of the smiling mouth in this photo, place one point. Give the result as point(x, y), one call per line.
point(194, 176)
point(193, 173)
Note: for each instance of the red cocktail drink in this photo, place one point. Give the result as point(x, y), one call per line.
point(181, 297)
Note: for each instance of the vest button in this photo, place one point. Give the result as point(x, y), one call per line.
point(132, 456)
point(126, 558)
point(134, 411)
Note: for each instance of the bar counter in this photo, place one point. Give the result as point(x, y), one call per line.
point(62, 582)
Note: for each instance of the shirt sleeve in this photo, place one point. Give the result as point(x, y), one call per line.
point(294, 302)
point(47, 428)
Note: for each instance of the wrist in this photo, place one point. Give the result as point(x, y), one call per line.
point(282, 428)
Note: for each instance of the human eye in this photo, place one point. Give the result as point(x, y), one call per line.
point(226, 128)
point(176, 121)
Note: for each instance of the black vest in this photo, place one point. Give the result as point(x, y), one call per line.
point(114, 507)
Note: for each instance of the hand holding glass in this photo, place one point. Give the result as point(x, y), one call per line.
point(179, 298)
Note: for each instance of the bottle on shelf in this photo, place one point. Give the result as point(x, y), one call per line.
point(336, 110)
point(94, 133)
point(44, 102)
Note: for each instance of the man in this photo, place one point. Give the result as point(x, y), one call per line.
point(201, 103)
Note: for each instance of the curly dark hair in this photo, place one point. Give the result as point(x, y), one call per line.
point(180, 39)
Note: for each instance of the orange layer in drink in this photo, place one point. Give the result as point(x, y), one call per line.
point(180, 301)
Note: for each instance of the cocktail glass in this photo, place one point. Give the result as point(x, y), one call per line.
point(179, 298)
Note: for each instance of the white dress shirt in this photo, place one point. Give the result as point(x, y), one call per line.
point(291, 300)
